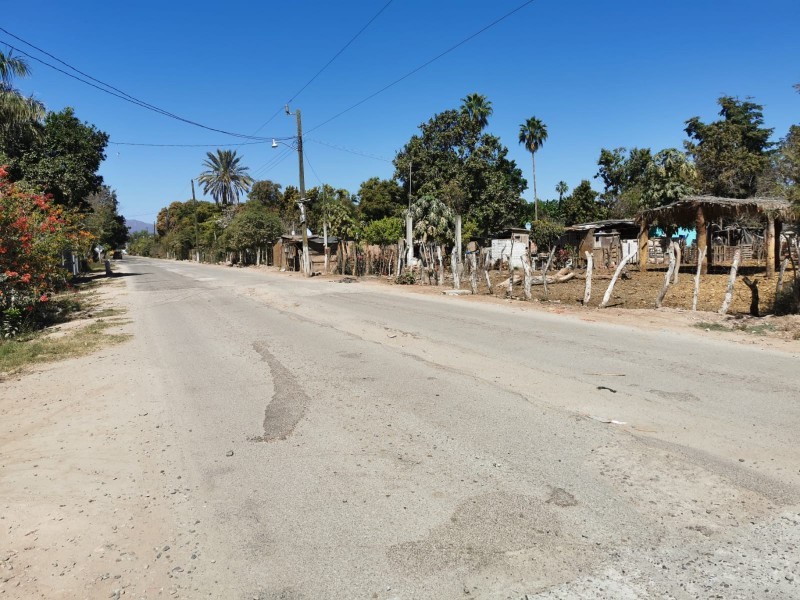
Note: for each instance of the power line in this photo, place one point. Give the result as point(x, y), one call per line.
point(423, 65)
point(343, 149)
point(273, 162)
point(111, 90)
point(186, 145)
point(327, 64)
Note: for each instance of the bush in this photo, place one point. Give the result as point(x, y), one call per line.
point(788, 301)
point(33, 234)
point(407, 278)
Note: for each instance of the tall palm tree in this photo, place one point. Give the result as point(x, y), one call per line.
point(561, 189)
point(532, 134)
point(225, 178)
point(477, 108)
point(16, 110)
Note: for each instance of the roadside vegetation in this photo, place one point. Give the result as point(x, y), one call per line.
point(55, 212)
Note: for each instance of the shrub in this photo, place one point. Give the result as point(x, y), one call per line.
point(33, 234)
point(407, 278)
point(788, 301)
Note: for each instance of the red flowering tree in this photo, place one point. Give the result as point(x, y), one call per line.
point(33, 234)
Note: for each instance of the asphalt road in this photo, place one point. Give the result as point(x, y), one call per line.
point(344, 441)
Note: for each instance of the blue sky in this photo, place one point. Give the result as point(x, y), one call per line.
point(599, 74)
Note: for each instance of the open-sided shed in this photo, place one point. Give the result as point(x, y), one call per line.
point(699, 211)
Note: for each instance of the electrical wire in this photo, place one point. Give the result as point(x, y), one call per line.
point(188, 145)
point(423, 65)
point(327, 64)
point(111, 90)
point(273, 162)
point(343, 149)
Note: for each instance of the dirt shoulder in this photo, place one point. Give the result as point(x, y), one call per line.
point(631, 305)
point(83, 504)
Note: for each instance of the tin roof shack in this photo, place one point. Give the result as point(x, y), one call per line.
point(510, 245)
point(608, 241)
point(699, 211)
point(288, 253)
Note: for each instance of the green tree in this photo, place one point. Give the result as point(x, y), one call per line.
point(782, 177)
point(477, 109)
point(268, 193)
point(383, 231)
point(561, 189)
point(434, 221)
point(64, 159)
point(732, 153)
point(252, 227)
point(16, 111)
point(451, 159)
point(532, 135)
point(668, 177)
point(225, 179)
point(545, 233)
point(379, 198)
point(104, 222)
point(581, 206)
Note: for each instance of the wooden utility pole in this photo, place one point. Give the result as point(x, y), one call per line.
point(302, 203)
point(196, 236)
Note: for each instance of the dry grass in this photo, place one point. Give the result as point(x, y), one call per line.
point(80, 331)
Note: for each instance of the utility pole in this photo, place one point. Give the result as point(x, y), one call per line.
point(196, 238)
point(302, 203)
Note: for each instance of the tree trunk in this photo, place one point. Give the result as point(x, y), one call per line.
point(668, 278)
point(535, 195)
point(779, 287)
point(737, 256)
point(526, 266)
point(473, 272)
point(769, 241)
point(644, 239)
point(753, 285)
point(587, 292)
point(546, 268)
point(486, 260)
point(702, 239)
point(700, 258)
point(454, 268)
point(607, 295)
point(440, 274)
point(325, 246)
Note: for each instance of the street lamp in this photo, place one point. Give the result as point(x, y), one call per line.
point(301, 203)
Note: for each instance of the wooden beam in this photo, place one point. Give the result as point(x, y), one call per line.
point(778, 231)
point(701, 227)
point(769, 242)
point(644, 239)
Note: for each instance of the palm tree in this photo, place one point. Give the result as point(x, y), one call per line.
point(561, 189)
point(532, 134)
point(477, 108)
point(15, 109)
point(225, 179)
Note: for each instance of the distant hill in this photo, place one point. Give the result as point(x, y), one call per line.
point(135, 226)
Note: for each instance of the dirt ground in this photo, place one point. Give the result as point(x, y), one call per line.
point(633, 301)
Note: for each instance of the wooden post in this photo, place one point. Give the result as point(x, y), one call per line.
point(440, 276)
point(547, 268)
point(779, 287)
point(454, 268)
point(668, 277)
point(778, 231)
point(753, 285)
point(526, 266)
point(737, 256)
point(644, 241)
point(621, 265)
point(473, 272)
point(486, 260)
point(769, 242)
point(701, 228)
point(700, 256)
point(678, 258)
point(587, 292)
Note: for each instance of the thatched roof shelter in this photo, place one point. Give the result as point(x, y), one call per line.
point(697, 211)
point(683, 213)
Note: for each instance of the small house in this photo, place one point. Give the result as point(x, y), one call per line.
point(288, 252)
point(608, 241)
point(510, 244)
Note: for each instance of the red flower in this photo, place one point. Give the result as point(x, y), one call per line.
point(44, 298)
